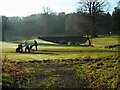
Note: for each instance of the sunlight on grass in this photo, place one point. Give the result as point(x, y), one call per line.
point(104, 41)
point(54, 52)
point(98, 65)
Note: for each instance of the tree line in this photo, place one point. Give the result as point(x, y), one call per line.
point(93, 22)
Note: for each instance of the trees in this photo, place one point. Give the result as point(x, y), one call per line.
point(90, 21)
point(49, 20)
point(60, 24)
point(105, 24)
point(92, 8)
point(116, 18)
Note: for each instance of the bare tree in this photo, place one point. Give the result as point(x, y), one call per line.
point(47, 10)
point(92, 9)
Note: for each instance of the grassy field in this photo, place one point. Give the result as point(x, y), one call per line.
point(62, 66)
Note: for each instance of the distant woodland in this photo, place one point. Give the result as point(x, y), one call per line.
point(50, 24)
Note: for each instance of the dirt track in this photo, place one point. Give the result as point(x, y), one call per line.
point(67, 78)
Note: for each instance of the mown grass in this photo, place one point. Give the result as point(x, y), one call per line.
point(55, 52)
point(105, 41)
point(54, 66)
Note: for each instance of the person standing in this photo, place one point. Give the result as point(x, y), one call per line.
point(35, 43)
point(27, 47)
point(89, 42)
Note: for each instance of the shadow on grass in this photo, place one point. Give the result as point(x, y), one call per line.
point(35, 52)
point(53, 52)
point(81, 51)
point(42, 52)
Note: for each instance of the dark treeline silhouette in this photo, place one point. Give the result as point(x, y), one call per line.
point(55, 25)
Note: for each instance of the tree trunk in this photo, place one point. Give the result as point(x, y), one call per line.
point(4, 27)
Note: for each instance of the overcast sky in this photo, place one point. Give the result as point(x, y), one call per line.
point(28, 7)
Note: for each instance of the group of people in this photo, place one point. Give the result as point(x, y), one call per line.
point(27, 47)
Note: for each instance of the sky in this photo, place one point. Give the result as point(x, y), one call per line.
point(28, 7)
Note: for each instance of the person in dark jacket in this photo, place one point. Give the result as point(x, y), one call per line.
point(35, 43)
